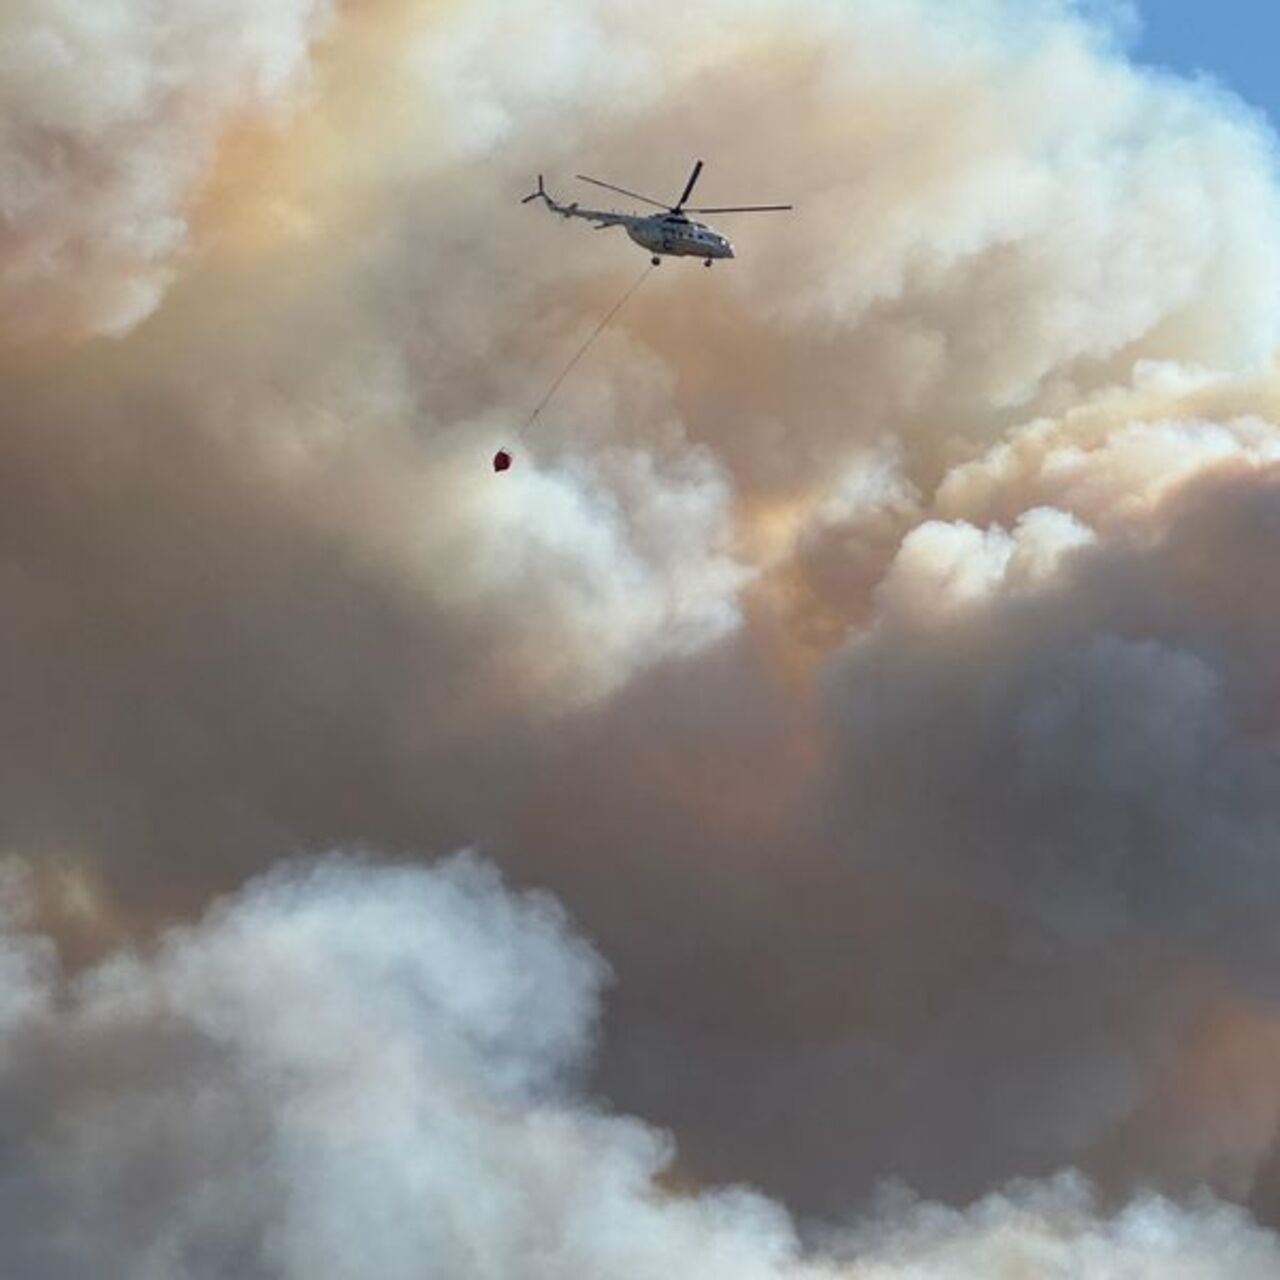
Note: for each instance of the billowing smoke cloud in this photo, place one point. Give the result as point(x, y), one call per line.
point(870, 647)
point(345, 1070)
point(111, 115)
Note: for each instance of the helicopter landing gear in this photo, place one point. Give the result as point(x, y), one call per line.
point(706, 262)
point(656, 261)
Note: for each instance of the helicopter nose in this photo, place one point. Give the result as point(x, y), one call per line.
point(728, 249)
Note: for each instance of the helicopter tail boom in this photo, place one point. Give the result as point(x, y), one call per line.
point(574, 210)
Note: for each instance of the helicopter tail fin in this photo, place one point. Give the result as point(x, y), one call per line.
point(533, 195)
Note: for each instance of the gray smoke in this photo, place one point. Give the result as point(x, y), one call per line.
point(111, 116)
point(347, 1070)
point(870, 647)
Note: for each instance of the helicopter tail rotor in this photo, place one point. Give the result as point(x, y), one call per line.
point(533, 195)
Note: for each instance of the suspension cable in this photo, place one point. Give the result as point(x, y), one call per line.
point(586, 346)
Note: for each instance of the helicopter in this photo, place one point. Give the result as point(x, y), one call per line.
point(671, 233)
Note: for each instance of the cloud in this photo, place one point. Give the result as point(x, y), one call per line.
point(867, 645)
point(347, 1067)
point(111, 120)
point(1112, 702)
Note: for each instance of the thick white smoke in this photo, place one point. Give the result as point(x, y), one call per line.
point(109, 118)
point(871, 646)
point(347, 1071)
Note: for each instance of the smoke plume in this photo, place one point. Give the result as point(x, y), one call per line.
point(345, 1070)
point(870, 648)
point(112, 115)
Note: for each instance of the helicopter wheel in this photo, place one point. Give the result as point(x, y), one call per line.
point(657, 262)
point(707, 262)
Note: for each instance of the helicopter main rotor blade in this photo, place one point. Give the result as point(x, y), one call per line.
point(743, 208)
point(688, 189)
point(582, 177)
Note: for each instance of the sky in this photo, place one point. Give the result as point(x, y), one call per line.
point(1231, 42)
point(816, 816)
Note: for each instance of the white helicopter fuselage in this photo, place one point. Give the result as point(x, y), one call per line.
point(678, 237)
point(671, 234)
